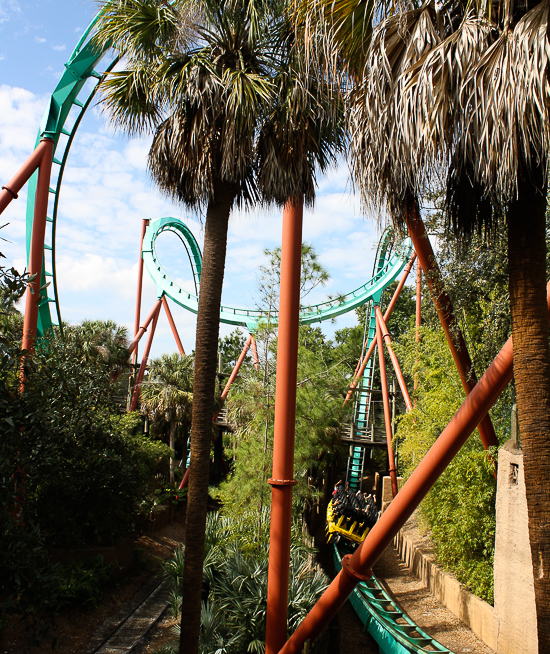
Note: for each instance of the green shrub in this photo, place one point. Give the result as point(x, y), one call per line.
point(236, 564)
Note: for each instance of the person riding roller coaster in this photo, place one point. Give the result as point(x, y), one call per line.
point(350, 515)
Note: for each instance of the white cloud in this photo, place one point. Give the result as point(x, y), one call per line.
point(59, 48)
point(8, 9)
point(40, 39)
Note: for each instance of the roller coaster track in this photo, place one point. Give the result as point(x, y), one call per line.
point(387, 269)
point(71, 98)
point(363, 394)
point(394, 631)
point(74, 94)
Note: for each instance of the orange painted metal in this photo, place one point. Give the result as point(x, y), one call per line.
point(141, 373)
point(255, 358)
point(418, 313)
point(144, 225)
point(36, 256)
point(475, 406)
point(444, 309)
point(236, 369)
point(395, 362)
point(285, 414)
point(173, 325)
point(143, 328)
point(360, 369)
point(11, 189)
point(387, 410)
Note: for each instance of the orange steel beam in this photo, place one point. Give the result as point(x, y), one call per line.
point(141, 372)
point(223, 397)
point(255, 358)
point(173, 325)
point(357, 567)
point(444, 309)
point(10, 191)
point(36, 257)
point(387, 410)
point(418, 313)
point(360, 369)
point(236, 369)
point(143, 328)
point(282, 480)
point(395, 362)
point(144, 224)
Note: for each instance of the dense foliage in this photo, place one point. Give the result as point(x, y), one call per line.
point(73, 469)
point(235, 595)
point(460, 510)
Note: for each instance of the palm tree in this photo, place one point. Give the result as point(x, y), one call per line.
point(212, 79)
point(464, 88)
point(166, 397)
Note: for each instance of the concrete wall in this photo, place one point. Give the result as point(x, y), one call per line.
point(474, 612)
point(514, 590)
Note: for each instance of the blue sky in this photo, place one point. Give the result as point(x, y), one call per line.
point(106, 193)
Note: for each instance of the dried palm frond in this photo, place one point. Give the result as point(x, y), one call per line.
point(383, 165)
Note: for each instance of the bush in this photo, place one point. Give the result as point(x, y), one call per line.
point(73, 473)
point(236, 563)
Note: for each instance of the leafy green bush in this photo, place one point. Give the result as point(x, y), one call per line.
point(236, 563)
point(459, 511)
point(73, 473)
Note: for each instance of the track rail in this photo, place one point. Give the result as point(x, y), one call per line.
point(394, 631)
point(387, 270)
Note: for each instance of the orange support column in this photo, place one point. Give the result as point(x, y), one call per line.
point(141, 373)
point(395, 362)
point(173, 325)
point(36, 256)
point(10, 191)
point(144, 225)
point(283, 444)
point(357, 567)
point(445, 312)
point(387, 411)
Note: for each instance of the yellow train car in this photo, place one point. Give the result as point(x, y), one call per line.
point(341, 526)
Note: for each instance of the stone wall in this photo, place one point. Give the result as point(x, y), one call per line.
point(514, 590)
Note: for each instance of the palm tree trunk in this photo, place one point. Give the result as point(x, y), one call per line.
point(204, 382)
point(528, 306)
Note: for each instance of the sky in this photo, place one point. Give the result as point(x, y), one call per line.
point(106, 193)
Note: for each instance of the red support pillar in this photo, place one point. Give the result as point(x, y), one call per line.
point(255, 359)
point(36, 257)
point(387, 410)
point(444, 309)
point(395, 362)
point(418, 313)
point(391, 305)
point(358, 567)
point(360, 369)
point(173, 325)
point(135, 395)
point(236, 369)
point(10, 191)
point(143, 328)
point(144, 225)
point(283, 444)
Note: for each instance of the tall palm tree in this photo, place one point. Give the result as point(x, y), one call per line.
point(463, 87)
point(211, 78)
point(166, 397)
